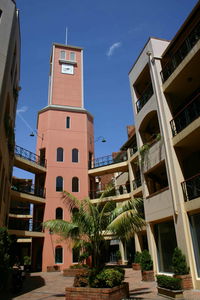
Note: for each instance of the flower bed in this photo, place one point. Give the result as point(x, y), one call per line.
point(170, 294)
point(87, 293)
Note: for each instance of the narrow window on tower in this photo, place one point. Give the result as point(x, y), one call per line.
point(59, 184)
point(75, 155)
point(62, 55)
point(59, 154)
point(58, 255)
point(72, 56)
point(75, 184)
point(59, 213)
point(68, 122)
point(0, 14)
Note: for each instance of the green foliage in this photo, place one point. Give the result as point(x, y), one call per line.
point(27, 260)
point(79, 266)
point(169, 282)
point(146, 261)
point(118, 255)
point(107, 278)
point(83, 256)
point(179, 263)
point(137, 258)
point(81, 279)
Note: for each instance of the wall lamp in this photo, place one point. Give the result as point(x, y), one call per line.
point(36, 134)
point(100, 138)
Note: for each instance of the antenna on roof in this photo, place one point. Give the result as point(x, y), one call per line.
point(66, 36)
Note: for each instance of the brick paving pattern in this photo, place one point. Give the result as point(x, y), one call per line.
point(51, 286)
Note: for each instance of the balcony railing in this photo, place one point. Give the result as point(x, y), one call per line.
point(108, 160)
point(29, 189)
point(115, 191)
point(19, 211)
point(133, 150)
point(27, 225)
point(136, 183)
point(19, 151)
point(186, 116)
point(146, 95)
point(181, 53)
point(191, 188)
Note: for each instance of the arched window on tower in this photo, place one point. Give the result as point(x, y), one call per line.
point(75, 155)
point(59, 213)
point(75, 184)
point(60, 154)
point(59, 184)
point(58, 255)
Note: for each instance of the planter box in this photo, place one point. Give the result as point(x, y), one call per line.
point(186, 281)
point(86, 293)
point(136, 266)
point(148, 276)
point(72, 272)
point(53, 268)
point(170, 294)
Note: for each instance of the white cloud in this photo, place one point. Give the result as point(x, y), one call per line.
point(22, 109)
point(112, 48)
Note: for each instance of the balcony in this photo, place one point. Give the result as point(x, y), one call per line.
point(30, 156)
point(186, 116)
point(136, 183)
point(146, 95)
point(133, 150)
point(181, 53)
point(29, 189)
point(115, 191)
point(25, 225)
point(108, 160)
point(19, 211)
point(191, 188)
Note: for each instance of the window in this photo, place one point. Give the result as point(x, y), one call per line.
point(68, 122)
point(58, 255)
point(59, 154)
point(59, 213)
point(74, 155)
point(195, 233)
point(62, 55)
point(59, 184)
point(75, 184)
point(0, 14)
point(75, 255)
point(72, 56)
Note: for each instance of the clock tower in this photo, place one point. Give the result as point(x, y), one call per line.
point(66, 128)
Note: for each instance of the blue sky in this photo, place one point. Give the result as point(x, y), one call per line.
point(112, 33)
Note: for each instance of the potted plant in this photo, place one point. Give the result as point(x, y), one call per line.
point(119, 257)
point(137, 260)
point(147, 266)
point(169, 287)
point(181, 270)
point(27, 263)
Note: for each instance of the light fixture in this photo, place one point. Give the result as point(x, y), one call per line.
point(100, 138)
point(33, 134)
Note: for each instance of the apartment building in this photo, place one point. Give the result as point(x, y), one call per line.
point(65, 139)
point(9, 88)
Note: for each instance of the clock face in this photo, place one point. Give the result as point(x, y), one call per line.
point(67, 69)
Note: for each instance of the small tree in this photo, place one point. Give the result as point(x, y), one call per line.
point(137, 257)
point(146, 261)
point(179, 263)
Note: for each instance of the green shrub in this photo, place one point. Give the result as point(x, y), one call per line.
point(107, 278)
point(146, 261)
point(27, 260)
point(79, 266)
point(118, 255)
point(168, 282)
point(137, 257)
point(81, 279)
point(179, 263)
point(121, 270)
point(83, 256)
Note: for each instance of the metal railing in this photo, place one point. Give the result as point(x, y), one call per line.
point(27, 225)
point(181, 53)
point(191, 188)
point(108, 160)
point(136, 183)
point(19, 151)
point(115, 191)
point(146, 95)
point(29, 189)
point(186, 116)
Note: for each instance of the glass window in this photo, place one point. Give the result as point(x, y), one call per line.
point(195, 232)
point(68, 122)
point(165, 238)
point(74, 155)
point(59, 213)
point(59, 184)
point(62, 54)
point(72, 56)
point(59, 154)
point(75, 255)
point(75, 184)
point(59, 255)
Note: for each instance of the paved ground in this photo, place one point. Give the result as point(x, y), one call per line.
point(51, 286)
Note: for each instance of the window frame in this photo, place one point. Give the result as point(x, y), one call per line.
point(56, 212)
point(62, 52)
point(59, 247)
point(77, 185)
point(75, 155)
point(57, 154)
point(57, 184)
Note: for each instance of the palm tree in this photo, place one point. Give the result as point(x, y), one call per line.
point(90, 223)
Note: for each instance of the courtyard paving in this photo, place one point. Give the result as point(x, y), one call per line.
point(51, 286)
